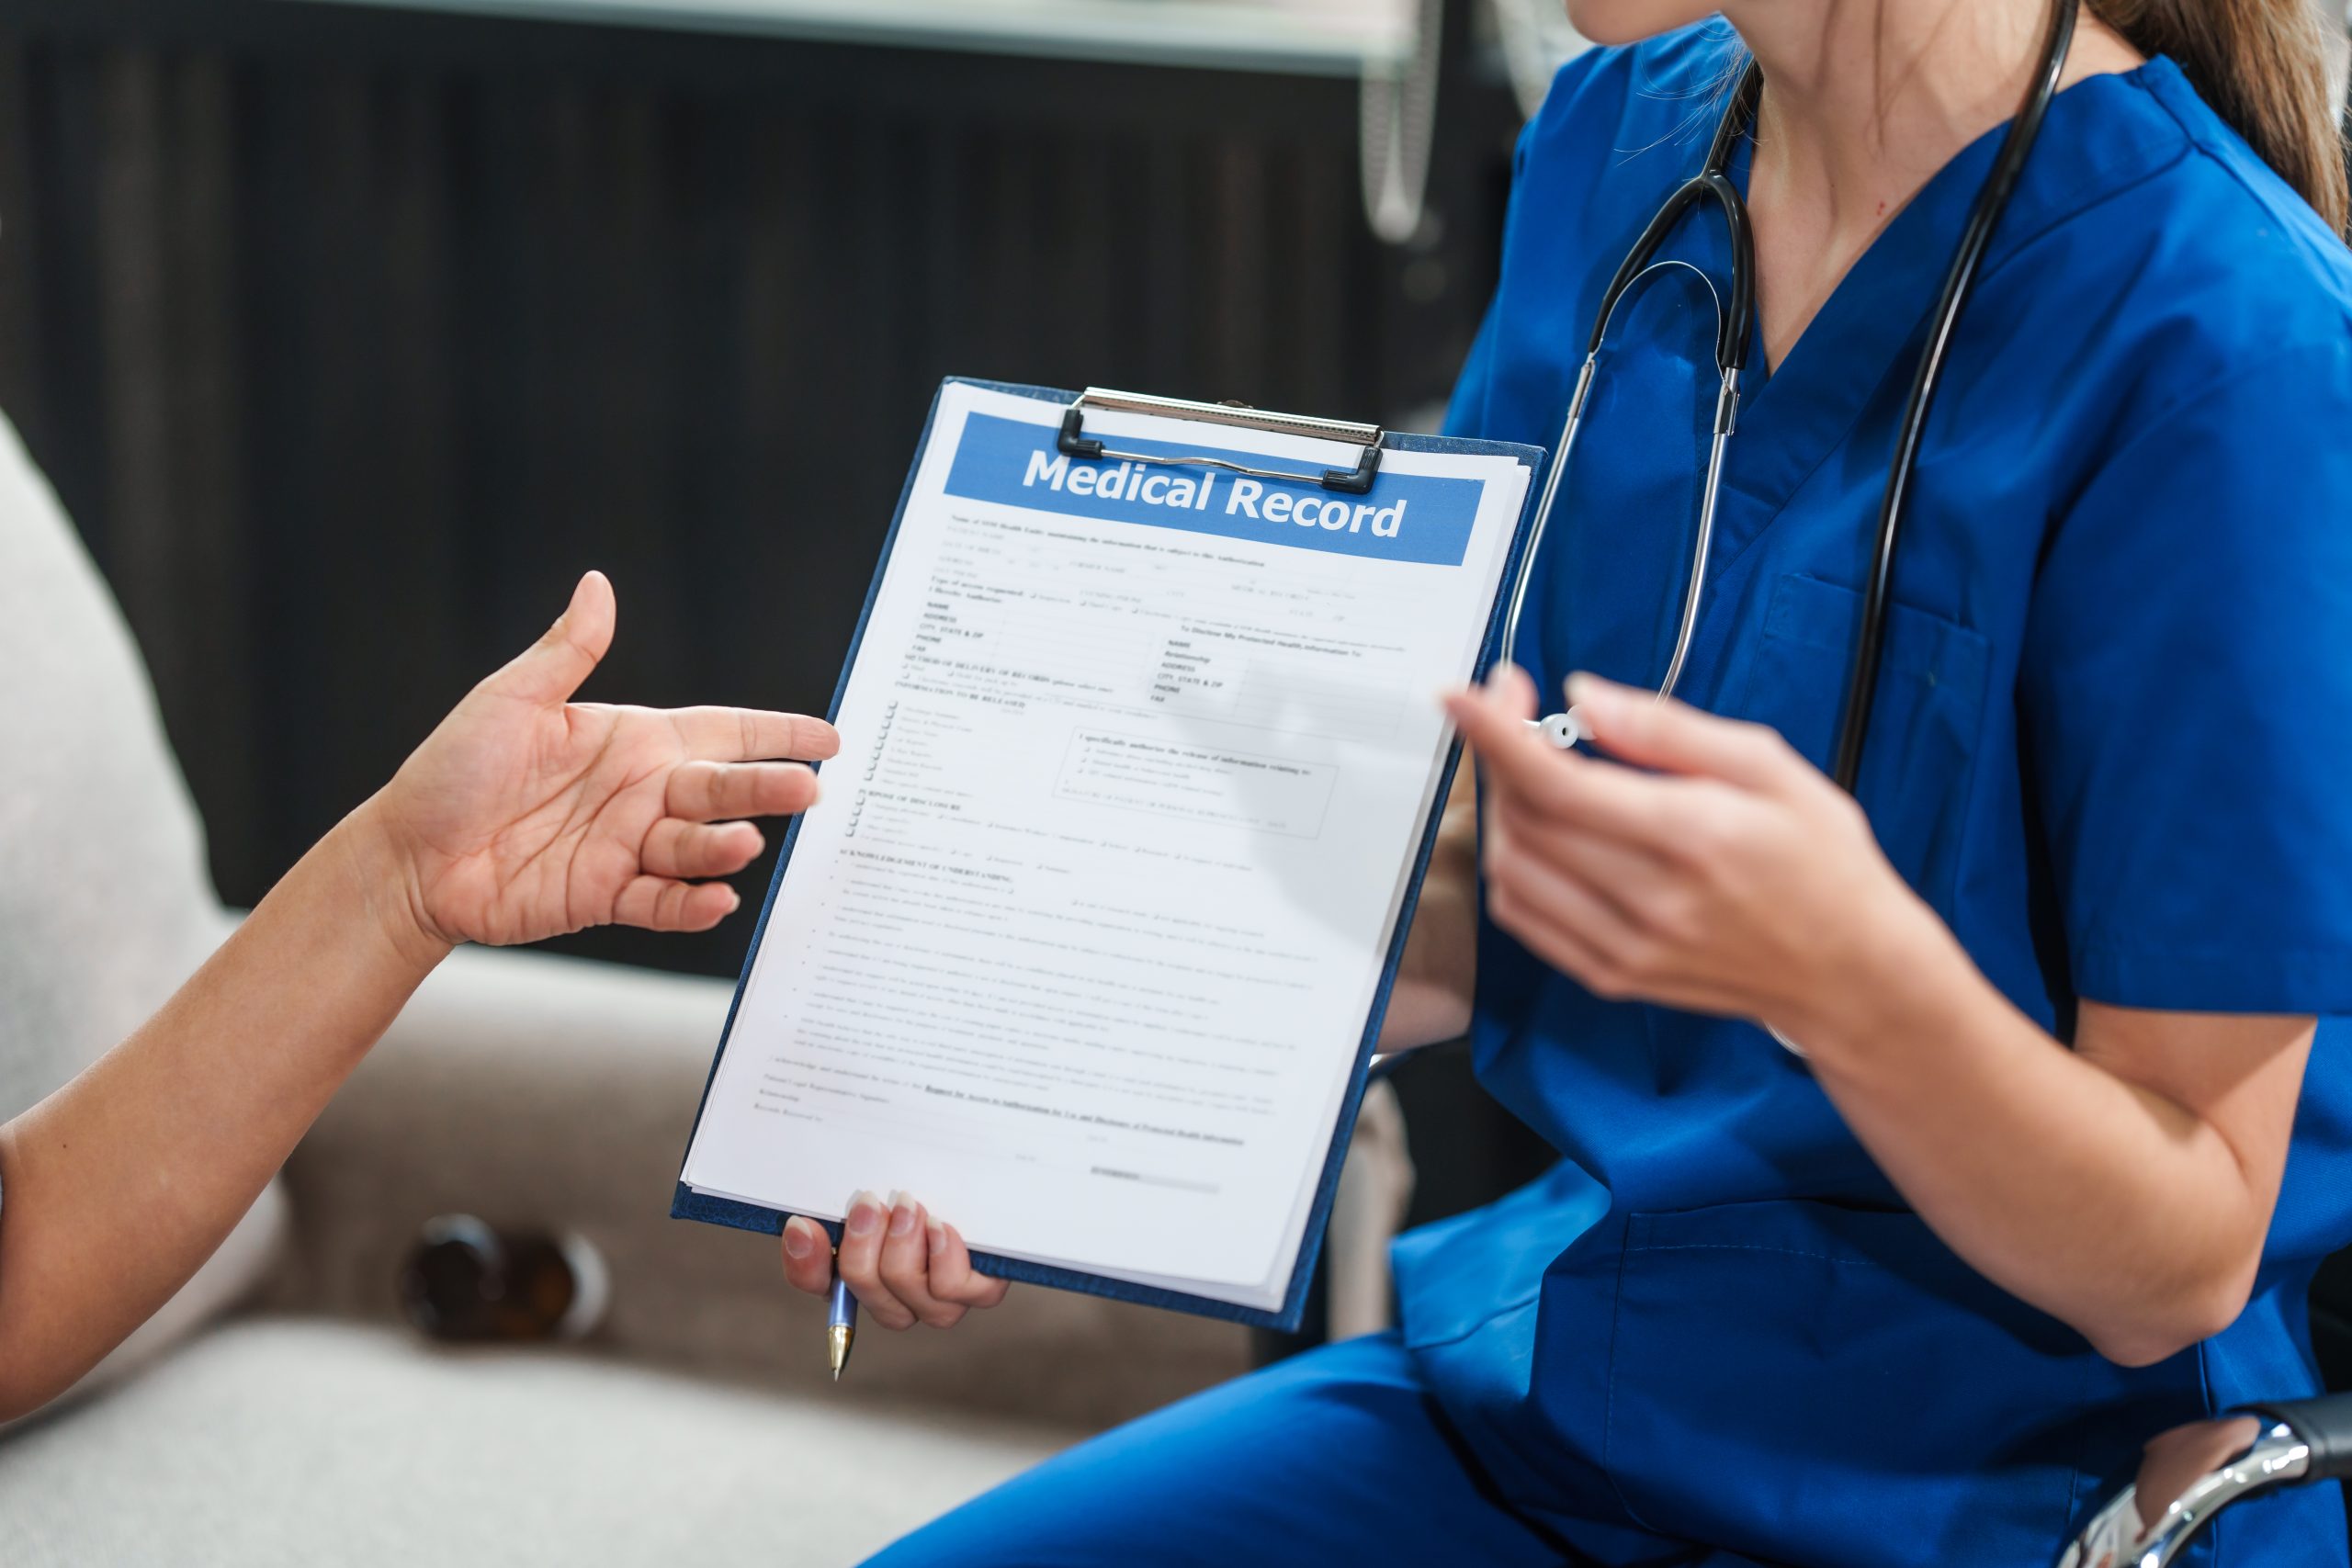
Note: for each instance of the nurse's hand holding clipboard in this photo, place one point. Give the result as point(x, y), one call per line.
point(2122, 1183)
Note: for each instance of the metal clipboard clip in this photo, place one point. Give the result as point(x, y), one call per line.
point(1074, 442)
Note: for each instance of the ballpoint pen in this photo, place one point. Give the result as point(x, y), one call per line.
point(840, 1322)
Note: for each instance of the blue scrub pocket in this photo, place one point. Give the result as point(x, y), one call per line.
point(1920, 755)
point(1806, 1383)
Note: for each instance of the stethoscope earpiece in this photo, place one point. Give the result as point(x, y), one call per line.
point(1564, 730)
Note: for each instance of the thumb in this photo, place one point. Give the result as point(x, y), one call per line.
point(1510, 693)
point(1493, 721)
point(1493, 716)
point(1640, 727)
point(551, 669)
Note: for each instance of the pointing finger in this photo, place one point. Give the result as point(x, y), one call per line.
point(751, 735)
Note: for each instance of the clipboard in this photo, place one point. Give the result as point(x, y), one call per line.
point(1073, 440)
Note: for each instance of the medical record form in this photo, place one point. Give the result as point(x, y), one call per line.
point(1086, 944)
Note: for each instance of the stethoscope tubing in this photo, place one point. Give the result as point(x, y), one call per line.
point(1733, 330)
point(1959, 282)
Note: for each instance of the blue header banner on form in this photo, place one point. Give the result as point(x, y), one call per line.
point(1406, 517)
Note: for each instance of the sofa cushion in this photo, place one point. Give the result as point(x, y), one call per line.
point(546, 1093)
point(105, 902)
point(297, 1441)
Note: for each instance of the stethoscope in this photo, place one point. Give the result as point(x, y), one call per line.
point(1733, 324)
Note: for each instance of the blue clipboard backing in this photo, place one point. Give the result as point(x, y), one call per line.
point(688, 1204)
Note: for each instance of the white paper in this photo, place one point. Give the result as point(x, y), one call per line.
point(1080, 945)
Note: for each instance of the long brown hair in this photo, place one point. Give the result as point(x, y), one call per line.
point(2263, 65)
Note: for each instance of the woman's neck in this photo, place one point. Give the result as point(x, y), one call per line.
point(1863, 101)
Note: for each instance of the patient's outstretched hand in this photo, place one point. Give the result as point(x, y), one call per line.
point(526, 815)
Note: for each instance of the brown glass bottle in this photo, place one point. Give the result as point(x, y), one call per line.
point(466, 1280)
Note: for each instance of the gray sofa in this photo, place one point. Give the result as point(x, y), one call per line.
point(277, 1412)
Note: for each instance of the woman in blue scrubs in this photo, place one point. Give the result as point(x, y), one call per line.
point(1917, 1296)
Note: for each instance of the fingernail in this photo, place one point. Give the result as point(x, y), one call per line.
point(902, 1215)
point(938, 1238)
point(795, 1237)
point(1584, 690)
point(865, 1215)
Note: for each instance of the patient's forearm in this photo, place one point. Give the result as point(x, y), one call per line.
point(119, 1186)
point(1431, 999)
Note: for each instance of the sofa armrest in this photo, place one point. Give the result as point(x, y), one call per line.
point(557, 1093)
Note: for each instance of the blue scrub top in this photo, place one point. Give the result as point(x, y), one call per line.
point(2112, 747)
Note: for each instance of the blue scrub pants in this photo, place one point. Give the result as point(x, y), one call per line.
point(1339, 1455)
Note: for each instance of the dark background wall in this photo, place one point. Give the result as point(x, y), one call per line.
point(351, 336)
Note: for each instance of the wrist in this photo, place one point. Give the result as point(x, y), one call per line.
point(1881, 989)
point(383, 874)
